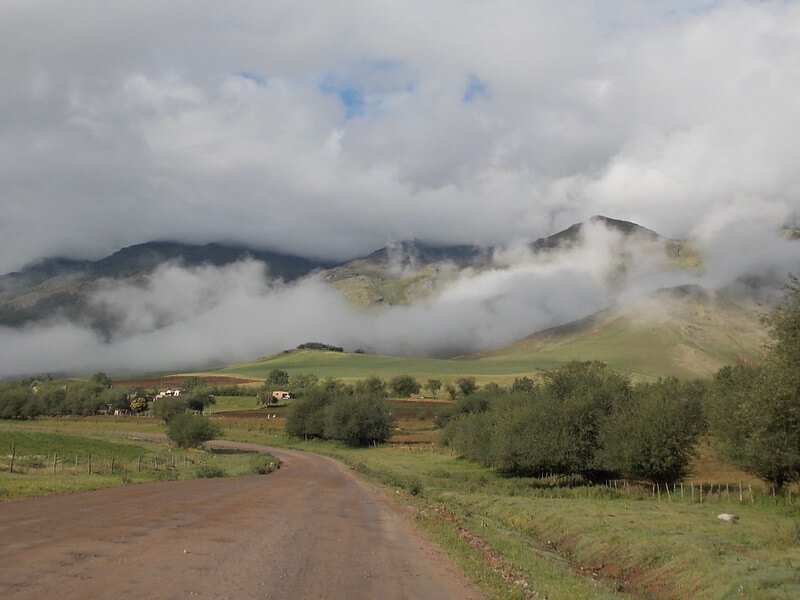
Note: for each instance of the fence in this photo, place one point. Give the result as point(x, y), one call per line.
point(84, 463)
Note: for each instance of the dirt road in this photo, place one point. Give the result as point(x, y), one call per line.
point(310, 530)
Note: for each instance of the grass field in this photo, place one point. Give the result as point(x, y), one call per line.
point(51, 462)
point(358, 366)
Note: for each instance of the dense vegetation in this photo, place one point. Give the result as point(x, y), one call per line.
point(581, 419)
point(190, 431)
point(358, 414)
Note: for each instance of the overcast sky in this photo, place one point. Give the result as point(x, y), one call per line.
point(328, 128)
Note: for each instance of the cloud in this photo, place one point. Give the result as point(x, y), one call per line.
point(329, 130)
point(189, 318)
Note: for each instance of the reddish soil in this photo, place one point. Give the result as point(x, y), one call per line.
point(169, 381)
point(309, 530)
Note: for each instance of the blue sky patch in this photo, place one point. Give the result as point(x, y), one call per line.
point(351, 96)
point(250, 75)
point(475, 87)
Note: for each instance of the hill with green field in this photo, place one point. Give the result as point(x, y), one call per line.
point(684, 332)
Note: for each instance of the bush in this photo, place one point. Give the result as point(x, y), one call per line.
point(199, 399)
point(168, 408)
point(653, 436)
point(405, 386)
point(262, 464)
point(210, 471)
point(277, 379)
point(582, 420)
point(190, 431)
point(358, 415)
point(466, 385)
point(755, 413)
point(358, 421)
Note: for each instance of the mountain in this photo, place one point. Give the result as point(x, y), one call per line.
point(685, 331)
point(402, 272)
point(63, 285)
point(680, 253)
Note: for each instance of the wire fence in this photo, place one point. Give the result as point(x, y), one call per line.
point(18, 461)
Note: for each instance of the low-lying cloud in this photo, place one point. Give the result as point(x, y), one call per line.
point(194, 317)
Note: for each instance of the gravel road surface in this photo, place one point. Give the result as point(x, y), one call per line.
point(310, 530)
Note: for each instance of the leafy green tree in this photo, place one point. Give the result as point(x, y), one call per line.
point(405, 386)
point(466, 385)
point(306, 416)
point(359, 420)
point(452, 391)
point(755, 412)
point(190, 431)
point(138, 405)
point(101, 379)
point(277, 379)
point(371, 386)
point(193, 383)
point(433, 386)
point(168, 408)
point(654, 434)
point(523, 384)
point(199, 399)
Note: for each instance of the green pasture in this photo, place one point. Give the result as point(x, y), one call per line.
point(84, 456)
point(358, 366)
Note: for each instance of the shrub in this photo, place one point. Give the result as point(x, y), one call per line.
point(466, 385)
point(262, 464)
point(190, 431)
point(405, 386)
point(358, 421)
point(168, 408)
point(358, 415)
point(210, 471)
point(653, 436)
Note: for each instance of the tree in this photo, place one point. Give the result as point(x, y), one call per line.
point(405, 386)
point(199, 399)
point(654, 434)
point(359, 420)
point(277, 379)
point(101, 379)
point(371, 386)
point(169, 408)
point(452, 391)
point(192, 383)
point(523, 384)
point(190, 431)
point(755, 412)
point(433, 386)
point(138, 405)
point(466, 385)
point(264, 396)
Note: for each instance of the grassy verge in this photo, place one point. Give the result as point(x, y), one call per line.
point(38, 462)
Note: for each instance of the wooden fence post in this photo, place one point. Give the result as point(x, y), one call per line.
point(54, 462)
point(89, 464)
point(139, 464)
point(13, 454)
point(112, 465)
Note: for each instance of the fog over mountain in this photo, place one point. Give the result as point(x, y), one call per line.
point(327, 130)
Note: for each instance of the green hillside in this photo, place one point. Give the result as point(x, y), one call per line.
point(683, 332)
